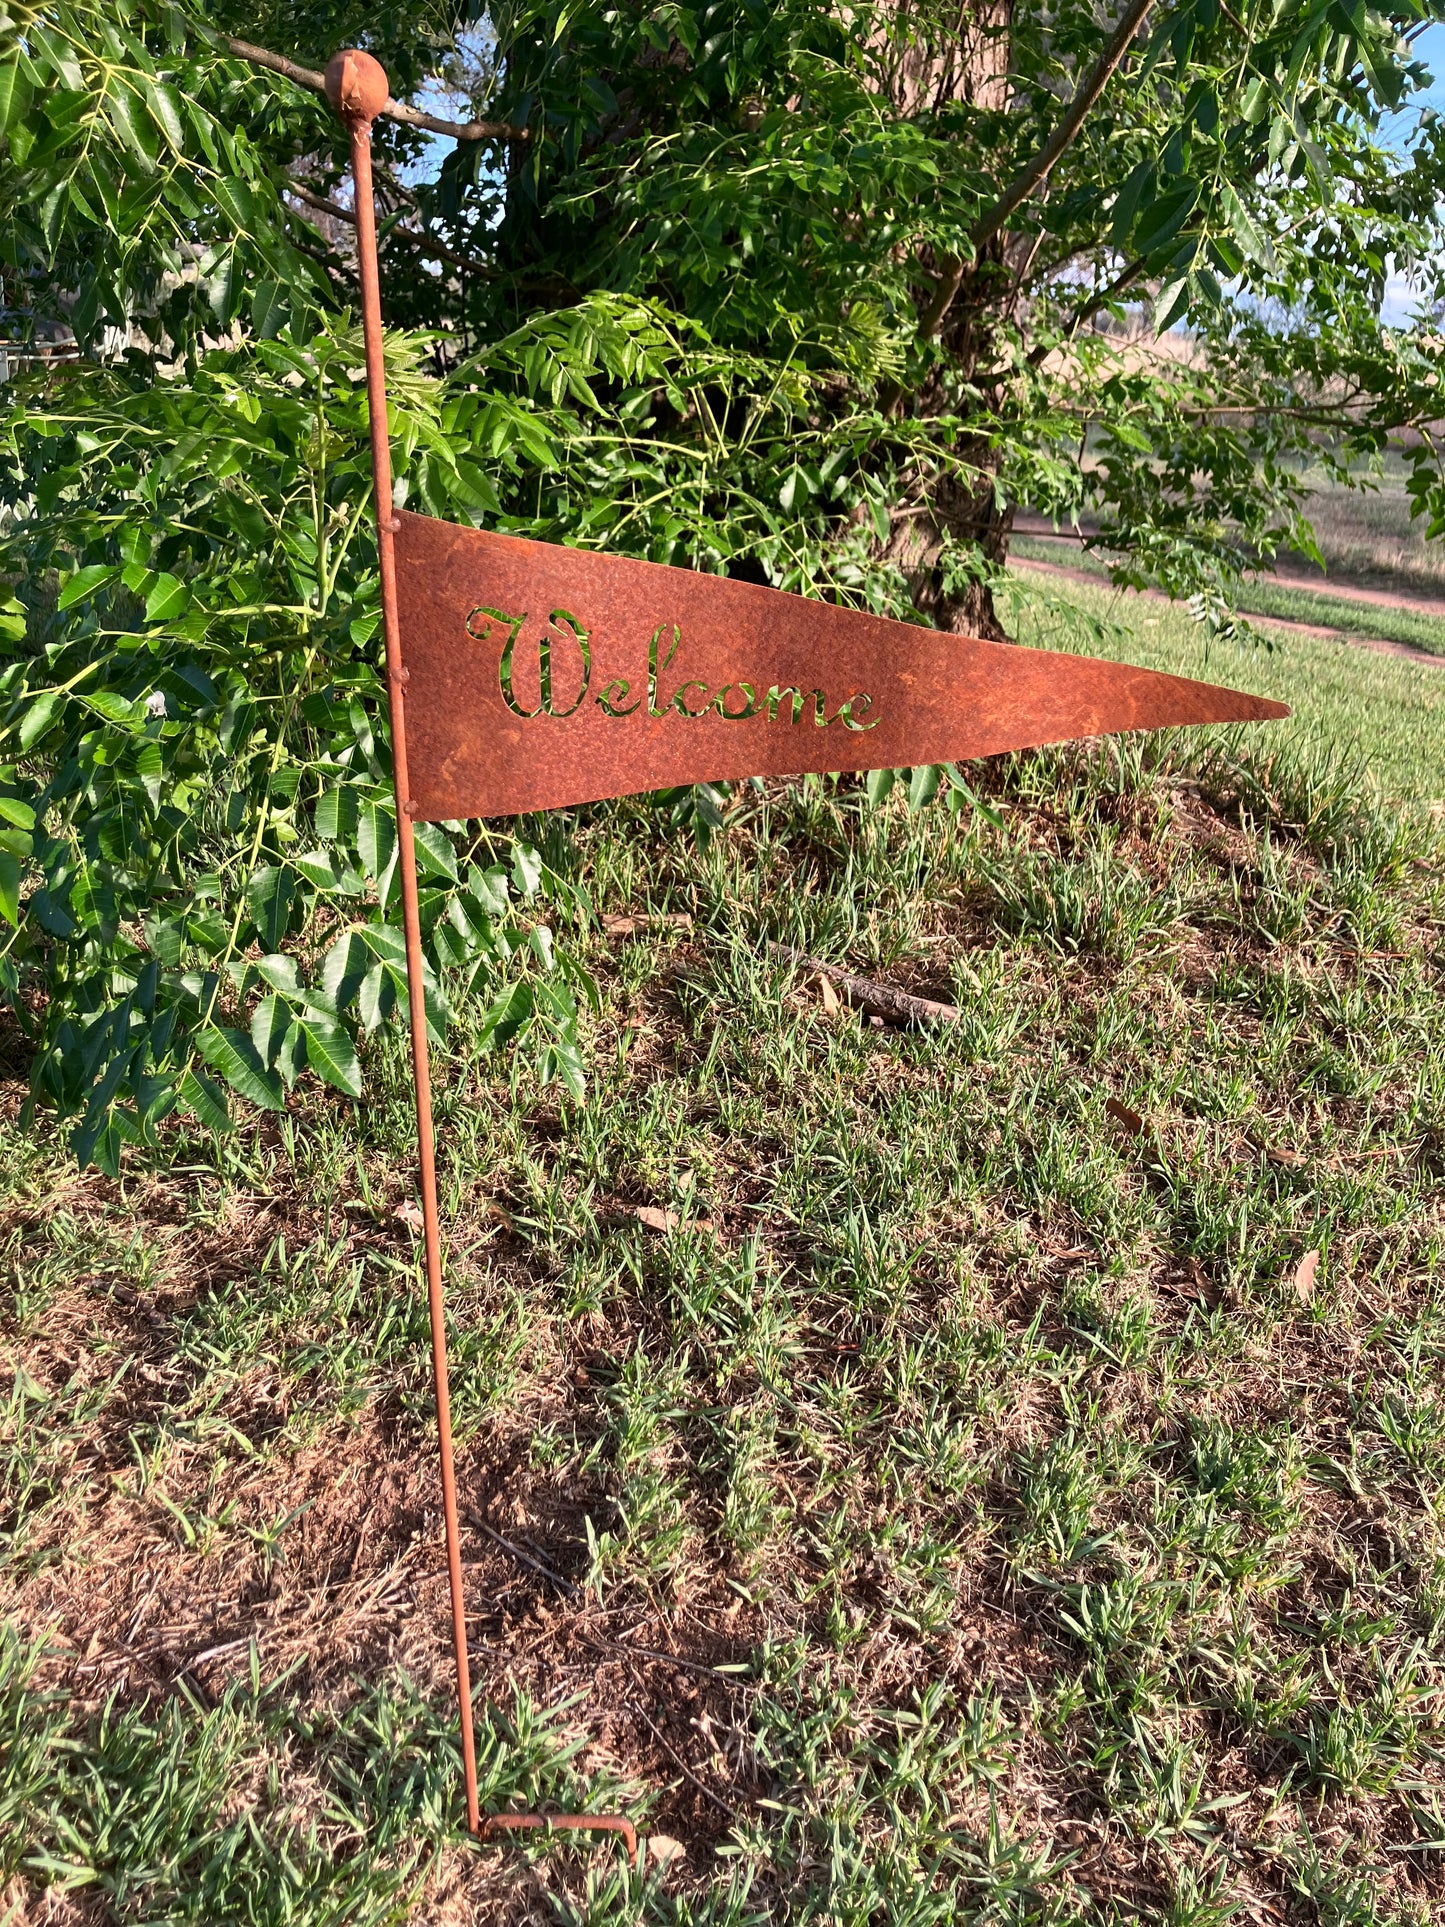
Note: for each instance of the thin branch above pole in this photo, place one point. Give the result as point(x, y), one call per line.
point(1038, 169)
point(428, 249)
point(397, 110)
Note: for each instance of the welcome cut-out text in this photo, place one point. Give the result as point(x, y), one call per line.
point(735, 702)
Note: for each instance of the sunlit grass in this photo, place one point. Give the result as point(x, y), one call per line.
point(1387, 710)
point(1011, 1491)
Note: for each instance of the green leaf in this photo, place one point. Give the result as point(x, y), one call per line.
point(376, 998)
point(204, 1099)
point(269, 309)
point(237, 203)
point(37, 717)
point(269, 896)
point(319, 869)
point(165, 105)
point(331, 1054)
point(336, 813)
point(880, 782)
point(134, 133)
point(233, 1055)
point(375, 839)
point(167, 598)
point(84, 583)
point(14, 810)
point(281, 972)
point(164, 938)
point(508, 1015)
point(58, 56)
point(526, 869)
point(924, 786)
point(1162, 221)
point(9, 887)
point(270, 1021)
point(14, 92)
point(1256, 246)
point(150, 768)
point(344, 967)
point(959, 789)
point(48, 907)
point(435, 855)
point(490, 889)
point(1170, 303)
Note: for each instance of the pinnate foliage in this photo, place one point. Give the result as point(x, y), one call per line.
point(694, 317)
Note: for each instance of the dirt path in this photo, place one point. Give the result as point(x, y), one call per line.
point(1378, 644)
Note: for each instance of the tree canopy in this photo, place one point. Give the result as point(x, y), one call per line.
point(814, 294)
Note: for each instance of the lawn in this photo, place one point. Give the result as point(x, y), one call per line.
point(1369, 535)
point(1011, 1490)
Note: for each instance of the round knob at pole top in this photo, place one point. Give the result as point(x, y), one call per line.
point(356, 85)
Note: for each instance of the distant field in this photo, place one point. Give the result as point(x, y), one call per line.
point(1367, 536)
point(1368, 540)
point(1264, 597)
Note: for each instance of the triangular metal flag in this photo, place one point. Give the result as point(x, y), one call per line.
point(539, 676)
point(526, 676)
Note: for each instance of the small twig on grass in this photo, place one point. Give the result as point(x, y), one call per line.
point(525, 1558)
point(882, 999)
point(216, 1652)
point(703, 1788)
point(620, 1647)
point(646, 920)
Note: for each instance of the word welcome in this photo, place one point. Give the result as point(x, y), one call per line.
point(735, 702)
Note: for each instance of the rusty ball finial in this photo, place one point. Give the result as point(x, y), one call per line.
point(356, 85)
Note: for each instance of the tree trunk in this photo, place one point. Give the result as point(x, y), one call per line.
point(931, 541)
point(958, 513)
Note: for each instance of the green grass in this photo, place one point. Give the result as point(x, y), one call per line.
point(1263, 597)
point(1385, 711)
point(1368, 535)
point(971, 1512)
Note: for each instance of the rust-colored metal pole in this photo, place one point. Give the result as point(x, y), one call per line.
point(357, 87)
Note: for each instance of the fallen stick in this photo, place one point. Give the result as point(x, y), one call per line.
point(524, 1558)
point(895, 1005)
point(646, 920)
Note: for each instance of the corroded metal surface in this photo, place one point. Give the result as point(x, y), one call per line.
point(564, 1823)
point(357, 87)
point(540, 676)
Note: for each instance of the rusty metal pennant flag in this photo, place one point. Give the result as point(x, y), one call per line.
point(539, 676)
point(526, 676)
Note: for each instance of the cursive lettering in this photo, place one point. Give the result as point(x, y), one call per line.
point(613, 696)
point(787, 702)
point(563, 628)
point(652, 669)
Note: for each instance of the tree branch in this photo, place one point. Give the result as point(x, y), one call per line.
point(1042, 165)
point(1038, 169)
point(428, 249)
point(1089, 308)
point(397, 110)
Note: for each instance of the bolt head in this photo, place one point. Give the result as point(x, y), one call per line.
point(356, 85)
